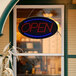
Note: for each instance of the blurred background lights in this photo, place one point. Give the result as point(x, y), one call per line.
point(49, 14)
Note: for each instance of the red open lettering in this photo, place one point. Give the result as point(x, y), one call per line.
point(40, 27)
point(33, 27)
point(50, 28)
point(26, 24)
point(37, 26)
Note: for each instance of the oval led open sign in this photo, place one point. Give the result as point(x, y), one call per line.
point(38, 27)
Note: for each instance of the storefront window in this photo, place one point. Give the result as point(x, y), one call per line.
point(39, 65)
point(51, 49)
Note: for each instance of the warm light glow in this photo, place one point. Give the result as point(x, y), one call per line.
point(47, 15)
point(3, 5)
point(22, 39)
point(19, 36)
point(50, 15)
point(27, 39)
point(57, 25)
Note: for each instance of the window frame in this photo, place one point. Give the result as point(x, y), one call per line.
point(39, 54)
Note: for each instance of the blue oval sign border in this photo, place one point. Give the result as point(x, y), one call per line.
point(36, 19)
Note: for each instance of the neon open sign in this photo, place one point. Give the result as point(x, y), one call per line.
point(38, 27)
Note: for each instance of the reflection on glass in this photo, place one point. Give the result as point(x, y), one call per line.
point(38, 65)
point(48, 45)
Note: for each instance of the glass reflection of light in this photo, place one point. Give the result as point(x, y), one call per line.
point(47, 15)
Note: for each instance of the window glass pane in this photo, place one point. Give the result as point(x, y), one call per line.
point(38, 65)
point(48, 45)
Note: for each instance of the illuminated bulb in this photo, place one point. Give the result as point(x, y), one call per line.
point(22, 39)
point(31, 39)
point(45, 14)
point(50, 15)
point(27, 39)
